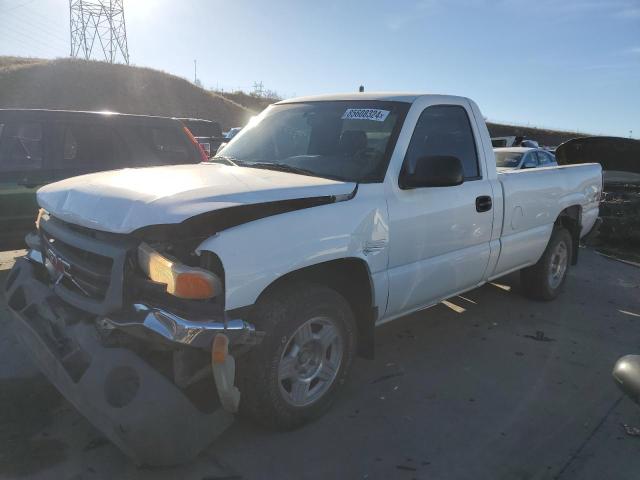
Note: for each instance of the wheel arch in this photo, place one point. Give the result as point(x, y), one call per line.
point(571, 219)
point(351, 278)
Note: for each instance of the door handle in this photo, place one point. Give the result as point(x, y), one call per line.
point(483, 203)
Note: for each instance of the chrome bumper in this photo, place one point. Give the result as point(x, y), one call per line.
point(176, 329)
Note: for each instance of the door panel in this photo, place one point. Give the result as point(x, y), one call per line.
point(439, 241)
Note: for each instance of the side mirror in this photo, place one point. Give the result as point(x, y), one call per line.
point(626, 373)
point(434, 171)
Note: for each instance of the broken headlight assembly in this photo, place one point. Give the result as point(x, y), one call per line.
point(182, 281)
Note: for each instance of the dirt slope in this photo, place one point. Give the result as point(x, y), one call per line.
point(82, 85)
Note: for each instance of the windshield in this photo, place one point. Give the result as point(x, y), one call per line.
point(342, 140)
point(508, 159)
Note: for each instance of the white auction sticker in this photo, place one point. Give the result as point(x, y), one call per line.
point(365, 114)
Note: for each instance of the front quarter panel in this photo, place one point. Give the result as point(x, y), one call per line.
point(257, 253)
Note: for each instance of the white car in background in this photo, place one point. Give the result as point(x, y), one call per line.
point(516, 158)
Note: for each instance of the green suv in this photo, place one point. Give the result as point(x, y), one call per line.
point(43, 146)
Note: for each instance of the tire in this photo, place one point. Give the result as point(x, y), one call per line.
point(310, 340)
point(545, 280)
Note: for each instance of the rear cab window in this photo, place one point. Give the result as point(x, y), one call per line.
point(444, 130)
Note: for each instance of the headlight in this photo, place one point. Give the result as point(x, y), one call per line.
point(182, 281)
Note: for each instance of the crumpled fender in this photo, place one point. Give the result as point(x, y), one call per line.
point(257, 253)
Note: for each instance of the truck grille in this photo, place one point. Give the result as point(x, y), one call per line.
point(86, 266)
point(85, 272)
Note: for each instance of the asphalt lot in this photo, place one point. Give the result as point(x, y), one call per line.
point(465, 391)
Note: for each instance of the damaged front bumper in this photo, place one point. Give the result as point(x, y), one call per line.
point(139, 408)
point(181, 331)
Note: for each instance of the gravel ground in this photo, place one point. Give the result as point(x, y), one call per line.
point(493, 386)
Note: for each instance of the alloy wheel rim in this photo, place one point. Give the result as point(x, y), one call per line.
point(310, 361)
point(558, 268)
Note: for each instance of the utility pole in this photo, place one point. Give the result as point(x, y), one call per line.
point(195, 71)
point(99, 24)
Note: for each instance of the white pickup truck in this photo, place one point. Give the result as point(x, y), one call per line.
point(323, 218)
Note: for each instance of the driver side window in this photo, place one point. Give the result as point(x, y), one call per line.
point(444, 130)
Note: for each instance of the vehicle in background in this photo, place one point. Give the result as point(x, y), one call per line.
point(200, 127)
point(325, 217)
point(208, 133)
point(513, 141)
point(516, 158)
point(42, 146)
point(228, 137)
point(620, 160)
point(205, 145)
point(232, 133)
point(529, 143)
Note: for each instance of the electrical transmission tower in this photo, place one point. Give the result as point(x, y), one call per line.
point(98, 24)
point(258, 89)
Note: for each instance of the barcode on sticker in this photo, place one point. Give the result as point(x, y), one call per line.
point(365, 114)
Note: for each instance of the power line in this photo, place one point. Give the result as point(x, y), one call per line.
point(17, 6)
point(37, 23)
point(31, 28)
point(30, 39)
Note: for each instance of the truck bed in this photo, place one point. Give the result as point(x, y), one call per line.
point(533, 199)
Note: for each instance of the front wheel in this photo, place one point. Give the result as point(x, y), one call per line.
point(545, 280)
point(294, 374)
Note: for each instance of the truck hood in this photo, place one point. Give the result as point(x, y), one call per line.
point(122, 201)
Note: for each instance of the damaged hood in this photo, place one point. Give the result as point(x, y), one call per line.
point(122, 201)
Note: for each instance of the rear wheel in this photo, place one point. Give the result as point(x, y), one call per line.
point(294, 374)
point(545, 280)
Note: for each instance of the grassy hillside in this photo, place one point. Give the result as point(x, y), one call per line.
point(81, 85)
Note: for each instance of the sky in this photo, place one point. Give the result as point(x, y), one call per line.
point(567, 64)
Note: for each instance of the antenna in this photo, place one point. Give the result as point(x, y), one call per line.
point(99, 24)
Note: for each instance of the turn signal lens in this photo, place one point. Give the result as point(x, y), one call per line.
point(182, 281)
point(219, 348)
point(42, 213)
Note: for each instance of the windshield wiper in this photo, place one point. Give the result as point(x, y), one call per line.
point(223, 159)
point(280, 167)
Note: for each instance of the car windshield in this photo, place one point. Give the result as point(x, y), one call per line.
point(343, 140)
point(508, 159)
